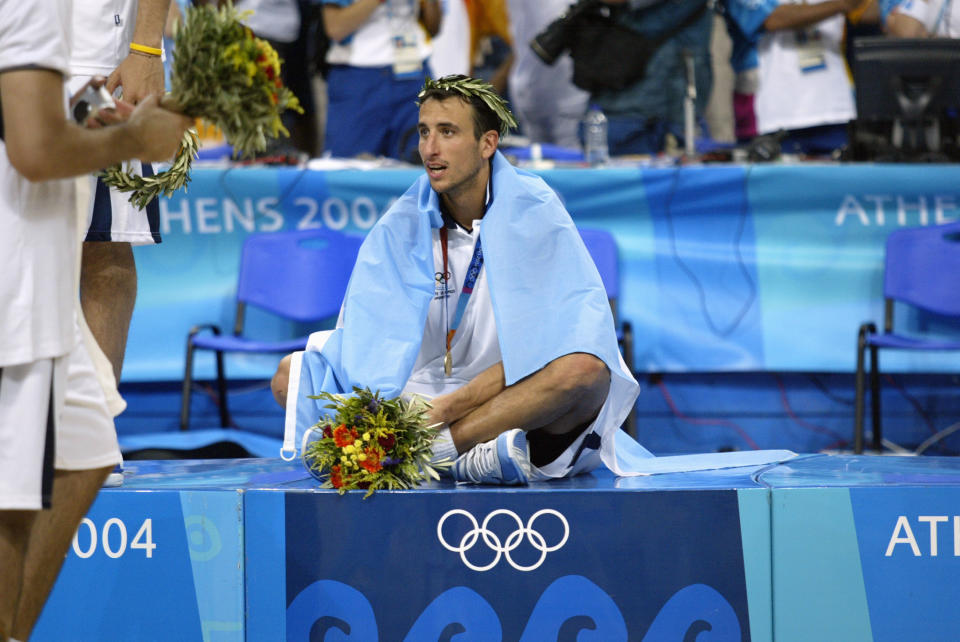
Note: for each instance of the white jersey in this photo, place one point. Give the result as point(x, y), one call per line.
point(102, 31)
point(803, 78)
point(475, 346)
point(939, 17)
point(38, 221)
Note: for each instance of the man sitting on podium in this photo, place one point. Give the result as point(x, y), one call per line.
point(476, 291)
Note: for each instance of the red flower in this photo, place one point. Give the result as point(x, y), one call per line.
point(335, 477)
point(372, 462)
point(327, 432)
point(387, 442)
point(343, 437)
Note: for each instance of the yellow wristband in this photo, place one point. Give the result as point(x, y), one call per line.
point(153, 51)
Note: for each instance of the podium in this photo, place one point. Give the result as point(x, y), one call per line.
point(821, 547)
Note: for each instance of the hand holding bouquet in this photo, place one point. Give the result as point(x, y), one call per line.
point(226, 75)
point(372, 443)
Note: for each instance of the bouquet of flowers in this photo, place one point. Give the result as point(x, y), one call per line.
point(371, 443)
point(224, 74)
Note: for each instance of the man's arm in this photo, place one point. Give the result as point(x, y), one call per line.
point(797, 16)
point(42, 144)
point(485, 386)
point(141, 74)
point(340, 22)
point(903, 26)
point(431, 15)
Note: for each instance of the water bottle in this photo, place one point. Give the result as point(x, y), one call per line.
point(595, 137)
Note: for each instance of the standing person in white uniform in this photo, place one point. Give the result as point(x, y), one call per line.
point(513, 339)
point(39, 248)
point(122, 40)
point(548, 105)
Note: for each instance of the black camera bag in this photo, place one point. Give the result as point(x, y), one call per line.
point(607, 55)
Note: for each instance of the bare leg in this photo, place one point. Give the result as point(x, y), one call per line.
point(108, 290)
point(557, 399)
point(14, 533)
point(50, 537)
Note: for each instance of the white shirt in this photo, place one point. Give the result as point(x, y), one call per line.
point(793, 91)
point(547, 102)
point(277, 20)
point(102, 31)
point(38, 221)
point(451, 46)
point(372, 45)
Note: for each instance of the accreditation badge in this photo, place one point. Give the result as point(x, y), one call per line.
point(811, 55)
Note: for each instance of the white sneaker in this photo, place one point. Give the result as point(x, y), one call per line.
point(504, 460)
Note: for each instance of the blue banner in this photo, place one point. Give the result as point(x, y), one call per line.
point(150, 566)
point(515, 566)
point(723, 268)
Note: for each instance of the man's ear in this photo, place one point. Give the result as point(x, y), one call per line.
point(488, 143)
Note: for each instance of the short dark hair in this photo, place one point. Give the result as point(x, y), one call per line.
point(490, 111)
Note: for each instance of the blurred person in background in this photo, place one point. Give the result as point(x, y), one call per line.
point(285, 24)
point(377, 60)
point(792, 82)
point(643, 113)
point(547, 103)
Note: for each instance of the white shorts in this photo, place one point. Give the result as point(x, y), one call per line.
point(53, 414)
point(111, 216)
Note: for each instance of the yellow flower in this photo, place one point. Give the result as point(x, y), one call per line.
point(361, 457)
point(366, 436)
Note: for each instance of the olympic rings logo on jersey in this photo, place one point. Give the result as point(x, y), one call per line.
point(442, 277)
point(510, 544)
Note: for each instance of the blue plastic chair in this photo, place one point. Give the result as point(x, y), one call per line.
point(299, 275)
point(606, 256)
point(921, 269)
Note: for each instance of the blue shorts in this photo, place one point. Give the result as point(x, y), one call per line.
point(371, 111)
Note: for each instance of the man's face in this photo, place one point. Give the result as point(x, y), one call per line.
point(451, 154)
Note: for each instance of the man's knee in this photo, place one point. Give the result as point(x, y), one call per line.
point(280, 381)
point(580, 373)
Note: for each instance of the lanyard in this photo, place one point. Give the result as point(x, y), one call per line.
point(476, 263)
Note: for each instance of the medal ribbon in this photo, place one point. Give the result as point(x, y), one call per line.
point(469, 281)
